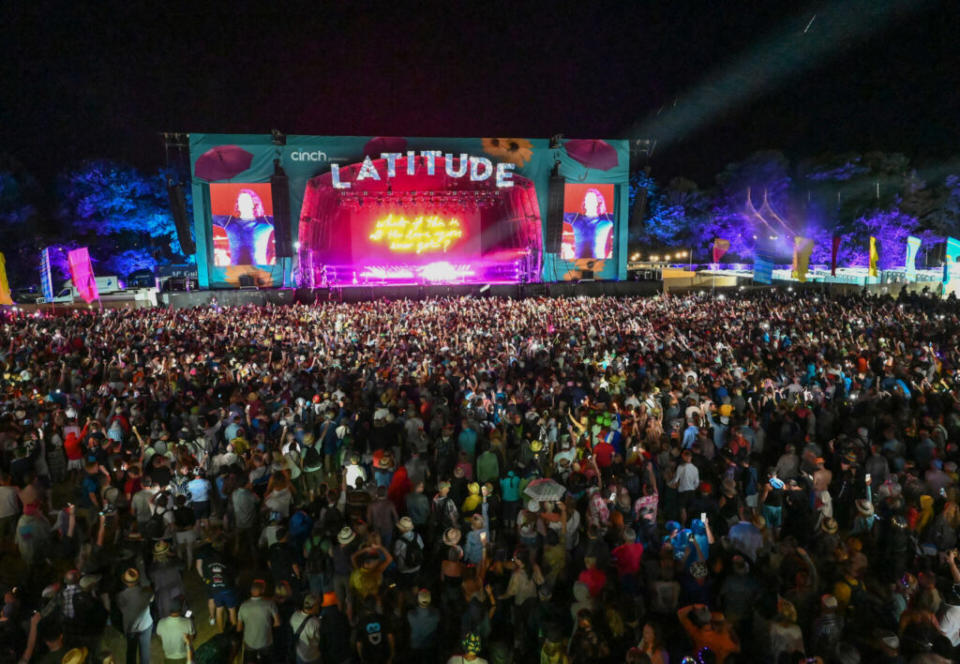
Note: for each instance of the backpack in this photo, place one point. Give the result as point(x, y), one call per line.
point(412, 553)
point(155, 527)
point(311, 457)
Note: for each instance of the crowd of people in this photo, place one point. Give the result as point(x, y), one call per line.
point(765, 477)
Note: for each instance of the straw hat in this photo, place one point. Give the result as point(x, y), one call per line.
point(829, 526)
point(75, 656)
point(451, 537)
point(865, 507)
point(405, 525)
point(346, 535)
point(161, 550)
point(131, 576)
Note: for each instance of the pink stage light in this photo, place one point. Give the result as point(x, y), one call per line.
point(444, 271)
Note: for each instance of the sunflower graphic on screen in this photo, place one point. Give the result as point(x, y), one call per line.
point(510, 150)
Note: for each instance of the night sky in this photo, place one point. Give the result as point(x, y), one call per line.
point(91, 79)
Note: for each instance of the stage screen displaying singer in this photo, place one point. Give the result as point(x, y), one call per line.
point(588, 221)
point(242, 216)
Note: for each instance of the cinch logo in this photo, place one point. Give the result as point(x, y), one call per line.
point(316, 155)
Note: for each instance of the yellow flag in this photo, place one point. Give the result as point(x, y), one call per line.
point(802, 248)
point(874, 257)
point(4, 284)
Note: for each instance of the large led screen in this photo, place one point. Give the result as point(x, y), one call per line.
point(242, 216)
point(588, 221)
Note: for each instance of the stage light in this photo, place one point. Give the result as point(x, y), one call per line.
point(773, 237)
point(654, 258)
point(667, 257)
point(721, 297)
point(789, 289)
point(296, 245)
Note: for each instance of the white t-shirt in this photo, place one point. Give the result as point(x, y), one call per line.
point(688, 477)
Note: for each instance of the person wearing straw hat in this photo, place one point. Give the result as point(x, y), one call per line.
point(134, 605)
point(166, 578)
point(408, 552)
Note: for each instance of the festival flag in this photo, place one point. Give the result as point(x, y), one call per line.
point(802, 248)
point(833, 255)
point(762, 270)
point(46, 277)
point(952, 254)
point(4, 284)
point(874, 257)
point(910, 262)
point(720, 247)
point(81, 271)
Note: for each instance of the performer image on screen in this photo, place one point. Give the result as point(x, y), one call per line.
point(248, 230)
point(592, 227)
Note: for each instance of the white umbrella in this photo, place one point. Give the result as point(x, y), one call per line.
point(545, 490)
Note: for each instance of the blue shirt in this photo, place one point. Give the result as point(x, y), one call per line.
point(690, 436)
point(468, 442)
point(199, 490)
point(510, 488)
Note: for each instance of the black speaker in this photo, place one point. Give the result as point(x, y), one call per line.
point(555, 214)
point(280, 192)
point(178, 207)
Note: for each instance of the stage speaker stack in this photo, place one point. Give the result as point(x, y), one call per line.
point(280, 192)
point(178, 207)
point(555, 213)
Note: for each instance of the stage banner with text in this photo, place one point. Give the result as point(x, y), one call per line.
point(369, 203)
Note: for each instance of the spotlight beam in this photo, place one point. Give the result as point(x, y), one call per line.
point(770, 64)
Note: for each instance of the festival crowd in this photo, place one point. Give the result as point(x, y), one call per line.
point(767, 477)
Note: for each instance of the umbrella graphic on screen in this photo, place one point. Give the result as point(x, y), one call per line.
point(375, 146)
point(592, 153)
point(222, 162)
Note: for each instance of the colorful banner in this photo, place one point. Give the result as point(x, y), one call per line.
point(910, 262)
point(833, 255)
point(802, 248)
point(874, 257)
point(46, 278)
point(720, 247)
point(952, 254)
point(762, 270)
point(4, 284)
point(81, 272)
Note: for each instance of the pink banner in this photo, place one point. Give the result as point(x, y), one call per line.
point(81, 272)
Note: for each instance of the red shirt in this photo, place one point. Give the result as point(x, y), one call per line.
point(594, 579)
point(628, 558)
point(603, 451)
